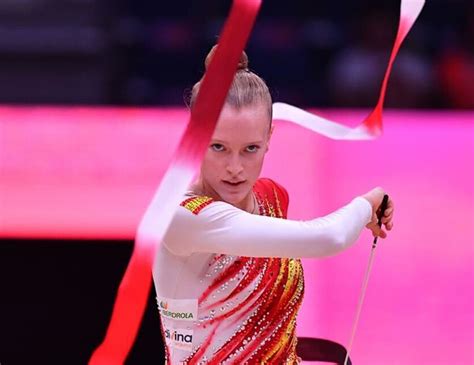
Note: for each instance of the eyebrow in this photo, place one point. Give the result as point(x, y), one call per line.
point(224, 142)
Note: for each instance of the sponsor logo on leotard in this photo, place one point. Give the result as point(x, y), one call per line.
point(179, 309)
point(179, 338)
point(178, 315)
point(163, 305)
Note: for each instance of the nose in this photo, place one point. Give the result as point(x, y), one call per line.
point(234, 165)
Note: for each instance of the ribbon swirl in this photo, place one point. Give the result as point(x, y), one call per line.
point(371, 127)
point(135, 286)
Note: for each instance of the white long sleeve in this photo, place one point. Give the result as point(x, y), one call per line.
point(225, 229)
point(219, 268)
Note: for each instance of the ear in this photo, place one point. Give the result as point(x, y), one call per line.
point(270, 133)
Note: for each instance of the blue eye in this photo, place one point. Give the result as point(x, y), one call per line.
point(252, 148)
point(217, 147)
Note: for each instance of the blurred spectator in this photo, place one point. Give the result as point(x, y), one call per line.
point(356, 74)
point(329, 54)
point(456, 67)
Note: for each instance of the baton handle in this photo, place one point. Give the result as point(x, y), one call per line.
point(380, 214)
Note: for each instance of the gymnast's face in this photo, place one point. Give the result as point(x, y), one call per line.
point(235, 155)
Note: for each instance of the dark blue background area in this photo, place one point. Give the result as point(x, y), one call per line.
point(140, 52)
point(56, 299)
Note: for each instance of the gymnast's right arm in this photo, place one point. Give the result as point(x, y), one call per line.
point(224, 229)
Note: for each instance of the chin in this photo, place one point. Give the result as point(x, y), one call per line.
point(233, 198)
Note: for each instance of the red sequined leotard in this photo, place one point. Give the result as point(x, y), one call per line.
point(229, 283)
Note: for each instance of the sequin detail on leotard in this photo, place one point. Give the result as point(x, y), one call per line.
point(257, 299)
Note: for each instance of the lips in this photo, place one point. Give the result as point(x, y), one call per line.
point(233, 183)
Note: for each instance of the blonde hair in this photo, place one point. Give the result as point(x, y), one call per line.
point(247, 88)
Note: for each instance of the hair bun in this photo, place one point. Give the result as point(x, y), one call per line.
point(243, 61)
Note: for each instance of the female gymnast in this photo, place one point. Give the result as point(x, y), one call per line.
point(228, 277)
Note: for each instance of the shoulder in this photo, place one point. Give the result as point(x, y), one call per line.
point(267, 185)
point(196, 203)
point(196, 220)
point(269, 189)
point(189, 221)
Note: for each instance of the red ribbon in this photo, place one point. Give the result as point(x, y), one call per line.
point(135, 286)
point(371, 127)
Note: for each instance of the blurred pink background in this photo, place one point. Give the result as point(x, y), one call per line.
point(90, 173)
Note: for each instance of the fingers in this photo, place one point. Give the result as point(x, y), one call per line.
point(387, 221)
point(375, 229)
point(378, 232)
point(388, 225)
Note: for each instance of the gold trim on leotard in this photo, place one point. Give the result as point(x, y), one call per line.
point(196, 203)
